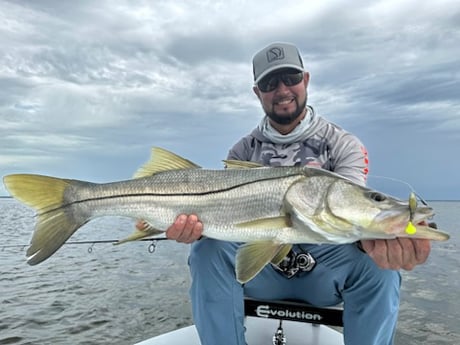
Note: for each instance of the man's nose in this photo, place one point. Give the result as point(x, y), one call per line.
point(281, 87)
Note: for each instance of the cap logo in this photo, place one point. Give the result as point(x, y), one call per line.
point(275, 53)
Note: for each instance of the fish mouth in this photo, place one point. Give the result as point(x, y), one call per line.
point(411, 225)
point(398, 218)
point(422, 218)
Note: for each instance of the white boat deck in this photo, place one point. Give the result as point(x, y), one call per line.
point(260, 331)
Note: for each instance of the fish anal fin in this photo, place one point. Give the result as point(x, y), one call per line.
point(252, 257)
point(163, 160)
point(139, 233)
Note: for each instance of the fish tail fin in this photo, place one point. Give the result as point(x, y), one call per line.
point(57, 221)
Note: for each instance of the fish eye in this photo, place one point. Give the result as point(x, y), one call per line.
point(376, 196)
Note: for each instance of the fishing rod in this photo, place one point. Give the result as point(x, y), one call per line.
point(151, 247)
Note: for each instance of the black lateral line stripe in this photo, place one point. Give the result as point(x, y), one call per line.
point(160, 194)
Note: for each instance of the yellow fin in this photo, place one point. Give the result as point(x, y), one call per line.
point(57, 220)
point(235, 164)
point(147, 230)
point(284, 250)
point(280, 222)
point(163, 160)
point(252, 257)
point(42, 193)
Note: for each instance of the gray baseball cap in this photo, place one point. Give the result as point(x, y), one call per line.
point(276, 56)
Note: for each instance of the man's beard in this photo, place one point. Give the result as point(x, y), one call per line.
point(290, 118)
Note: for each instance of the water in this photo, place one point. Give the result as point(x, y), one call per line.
point(124, 294)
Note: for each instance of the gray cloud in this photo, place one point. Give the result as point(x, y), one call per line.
point(87, 88)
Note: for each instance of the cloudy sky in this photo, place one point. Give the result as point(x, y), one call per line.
point(87, 87)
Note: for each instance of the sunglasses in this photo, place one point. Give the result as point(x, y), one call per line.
point(271, 81)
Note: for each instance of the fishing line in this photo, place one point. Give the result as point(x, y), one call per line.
point(151, 248)
point(412, 189)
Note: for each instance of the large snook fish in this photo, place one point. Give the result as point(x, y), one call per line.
point(268, 208)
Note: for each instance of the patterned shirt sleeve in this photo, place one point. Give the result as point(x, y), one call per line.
point(350, 158)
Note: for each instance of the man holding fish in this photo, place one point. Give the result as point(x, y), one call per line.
point(305, 229)
point(364, 276)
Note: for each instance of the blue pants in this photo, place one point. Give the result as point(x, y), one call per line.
point(342, 274)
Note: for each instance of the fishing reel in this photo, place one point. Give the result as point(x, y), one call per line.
point(295, 262)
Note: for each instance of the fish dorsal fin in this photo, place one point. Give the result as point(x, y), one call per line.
point(163, 160)
point(235, 164)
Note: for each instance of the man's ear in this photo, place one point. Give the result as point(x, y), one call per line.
point(306, 78)
point(256, 91)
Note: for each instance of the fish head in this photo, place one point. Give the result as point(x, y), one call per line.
point(340, 210)
point(378, 215)
point(365, 208)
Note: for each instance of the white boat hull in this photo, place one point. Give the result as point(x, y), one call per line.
point(260, 331)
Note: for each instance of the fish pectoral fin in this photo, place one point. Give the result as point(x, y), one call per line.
point(235, 164)
point(163, 160)
point(282, 253)
point(139, 233)
point(280, 222)
point(252, 257)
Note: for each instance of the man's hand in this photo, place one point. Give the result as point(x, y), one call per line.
point(399, 253)
point(186, 229)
